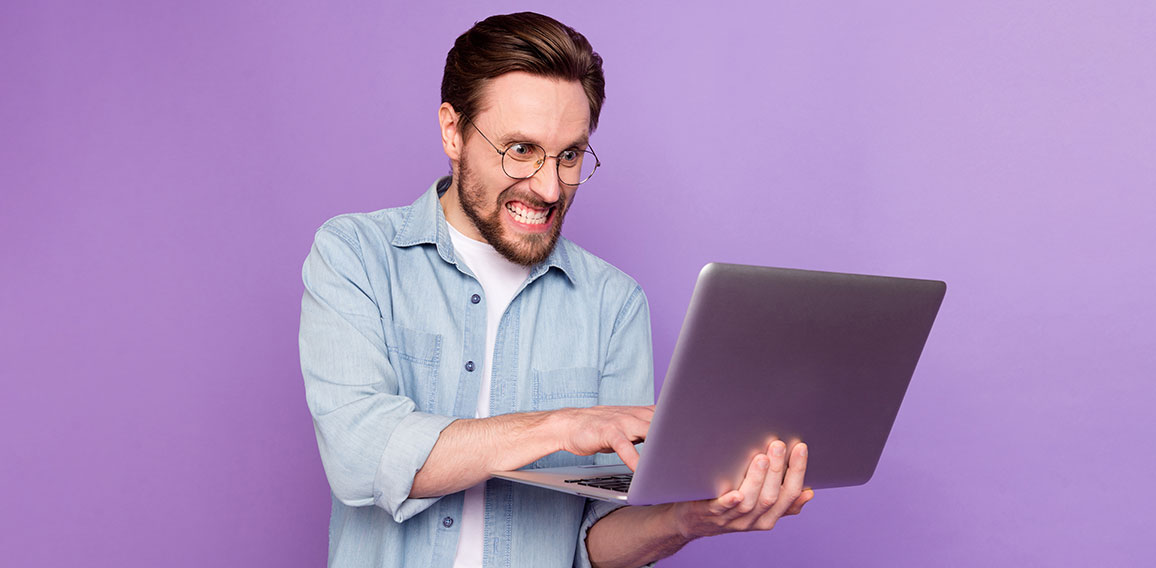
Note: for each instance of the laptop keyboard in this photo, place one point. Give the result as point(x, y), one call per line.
point(619, 483)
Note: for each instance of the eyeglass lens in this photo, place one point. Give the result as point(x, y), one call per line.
point(524, 160)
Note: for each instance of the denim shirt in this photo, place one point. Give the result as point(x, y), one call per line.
point(392, 340)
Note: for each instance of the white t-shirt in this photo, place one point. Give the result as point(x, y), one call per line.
point(500, 280)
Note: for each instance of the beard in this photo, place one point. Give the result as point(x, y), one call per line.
point(525, 249)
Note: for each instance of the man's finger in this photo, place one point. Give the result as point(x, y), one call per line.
point(641, 412)
point(792, 482)
point(635, 429)
point(627, 452)
point(803, 499)
point(773, 484)
point(752, 484)
point(728, 501)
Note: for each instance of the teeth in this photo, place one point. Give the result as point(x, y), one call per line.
point(528, 216)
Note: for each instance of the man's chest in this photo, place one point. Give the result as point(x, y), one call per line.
point(548, 349)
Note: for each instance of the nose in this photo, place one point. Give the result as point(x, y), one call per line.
point(545, 182)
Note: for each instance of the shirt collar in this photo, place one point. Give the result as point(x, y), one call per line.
point(425, 223)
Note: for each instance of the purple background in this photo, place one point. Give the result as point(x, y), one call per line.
point(163, 166)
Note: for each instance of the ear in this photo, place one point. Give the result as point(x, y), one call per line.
point(450, 122)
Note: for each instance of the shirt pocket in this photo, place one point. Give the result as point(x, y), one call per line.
point(565, 388)
point(416, 356)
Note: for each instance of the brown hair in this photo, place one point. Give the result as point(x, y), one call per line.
point(527, 42)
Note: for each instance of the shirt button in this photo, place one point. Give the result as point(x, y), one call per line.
point(448, 522)
point(475, 298)
point(470, 368)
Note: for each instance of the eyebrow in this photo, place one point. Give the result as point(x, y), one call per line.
point(515, 137)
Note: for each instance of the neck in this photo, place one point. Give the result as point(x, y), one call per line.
point(455, 215)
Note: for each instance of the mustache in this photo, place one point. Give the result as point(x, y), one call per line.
point(529, 198)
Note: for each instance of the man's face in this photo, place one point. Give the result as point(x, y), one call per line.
point(521, 219)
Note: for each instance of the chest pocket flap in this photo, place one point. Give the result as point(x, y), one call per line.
point(563, 388)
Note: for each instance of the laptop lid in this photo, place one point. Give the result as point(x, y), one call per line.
point(769, 353)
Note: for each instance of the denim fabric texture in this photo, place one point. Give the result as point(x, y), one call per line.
point(388, 335)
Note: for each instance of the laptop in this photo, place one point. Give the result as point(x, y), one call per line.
point(771, 353)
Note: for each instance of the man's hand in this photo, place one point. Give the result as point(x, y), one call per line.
point(605, 429)
point(772, 488)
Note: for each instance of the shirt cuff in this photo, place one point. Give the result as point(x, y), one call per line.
point(405, 453)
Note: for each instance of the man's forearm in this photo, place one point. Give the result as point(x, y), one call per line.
point(468, 450)
point(634, 536)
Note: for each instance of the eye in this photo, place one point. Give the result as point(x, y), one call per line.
point(569, 157)
point(521, 151)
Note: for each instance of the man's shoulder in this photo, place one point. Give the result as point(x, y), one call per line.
point(404, 226)
point(380, 226)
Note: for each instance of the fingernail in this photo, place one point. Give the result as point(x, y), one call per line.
point(803, 452)
point(778, 450)
point(763, 464)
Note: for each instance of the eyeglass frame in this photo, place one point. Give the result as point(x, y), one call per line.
point(557, 161)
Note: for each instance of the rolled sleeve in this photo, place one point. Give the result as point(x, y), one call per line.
point(371, 439)
point(410, 444)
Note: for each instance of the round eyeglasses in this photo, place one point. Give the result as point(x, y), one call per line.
point(521, 160)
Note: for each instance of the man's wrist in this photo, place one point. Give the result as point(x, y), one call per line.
point(530, 436)
point(556, 426)
point(676, 523)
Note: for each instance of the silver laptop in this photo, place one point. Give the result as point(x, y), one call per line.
point(771, 353)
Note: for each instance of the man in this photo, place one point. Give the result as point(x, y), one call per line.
point(462, 335)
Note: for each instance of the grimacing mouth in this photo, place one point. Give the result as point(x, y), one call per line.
point(527, 208)
point(524, 213)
